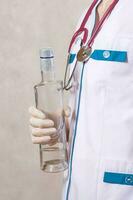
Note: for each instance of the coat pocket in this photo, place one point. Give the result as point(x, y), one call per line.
point(115, 181)
point(110, 55)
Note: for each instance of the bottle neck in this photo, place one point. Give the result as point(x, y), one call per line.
point(47, 69)
point(47, 76)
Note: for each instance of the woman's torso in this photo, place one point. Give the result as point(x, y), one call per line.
point(103, 130)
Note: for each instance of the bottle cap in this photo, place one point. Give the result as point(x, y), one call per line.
point(46, 53)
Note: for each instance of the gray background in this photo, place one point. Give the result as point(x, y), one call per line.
point(25, 27)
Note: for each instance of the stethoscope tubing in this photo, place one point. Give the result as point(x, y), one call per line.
point(84, 39)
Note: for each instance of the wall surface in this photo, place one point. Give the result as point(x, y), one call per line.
point(25, 27)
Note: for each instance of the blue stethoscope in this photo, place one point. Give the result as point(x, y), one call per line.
point(85, 50)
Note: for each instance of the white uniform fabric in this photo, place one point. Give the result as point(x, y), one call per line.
point(102, 134)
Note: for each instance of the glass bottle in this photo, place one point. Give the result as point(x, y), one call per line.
point(49, 99)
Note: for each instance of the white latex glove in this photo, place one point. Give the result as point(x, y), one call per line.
point(42, 128)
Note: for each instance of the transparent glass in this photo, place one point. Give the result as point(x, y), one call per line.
point(49, 99)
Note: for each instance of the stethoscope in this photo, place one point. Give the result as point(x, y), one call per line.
point(84, 52)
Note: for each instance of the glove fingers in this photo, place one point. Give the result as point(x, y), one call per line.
point(36, 113)
point(40, 123)
point(44, 132)
point(41, 140)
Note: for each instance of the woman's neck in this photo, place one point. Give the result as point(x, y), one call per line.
point(103, 6)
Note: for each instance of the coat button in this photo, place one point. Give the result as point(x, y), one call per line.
point(106, 54)
point(129, 179)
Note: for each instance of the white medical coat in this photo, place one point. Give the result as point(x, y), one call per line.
point(101, 152)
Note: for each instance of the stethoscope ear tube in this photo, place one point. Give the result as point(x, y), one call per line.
point(67, 85)
point(79, 32)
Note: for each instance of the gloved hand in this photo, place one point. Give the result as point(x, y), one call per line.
point(43, 130)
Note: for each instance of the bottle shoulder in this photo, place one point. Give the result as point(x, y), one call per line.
point(49, 83)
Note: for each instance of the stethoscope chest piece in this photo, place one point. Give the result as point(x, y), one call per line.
point(84, 53)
